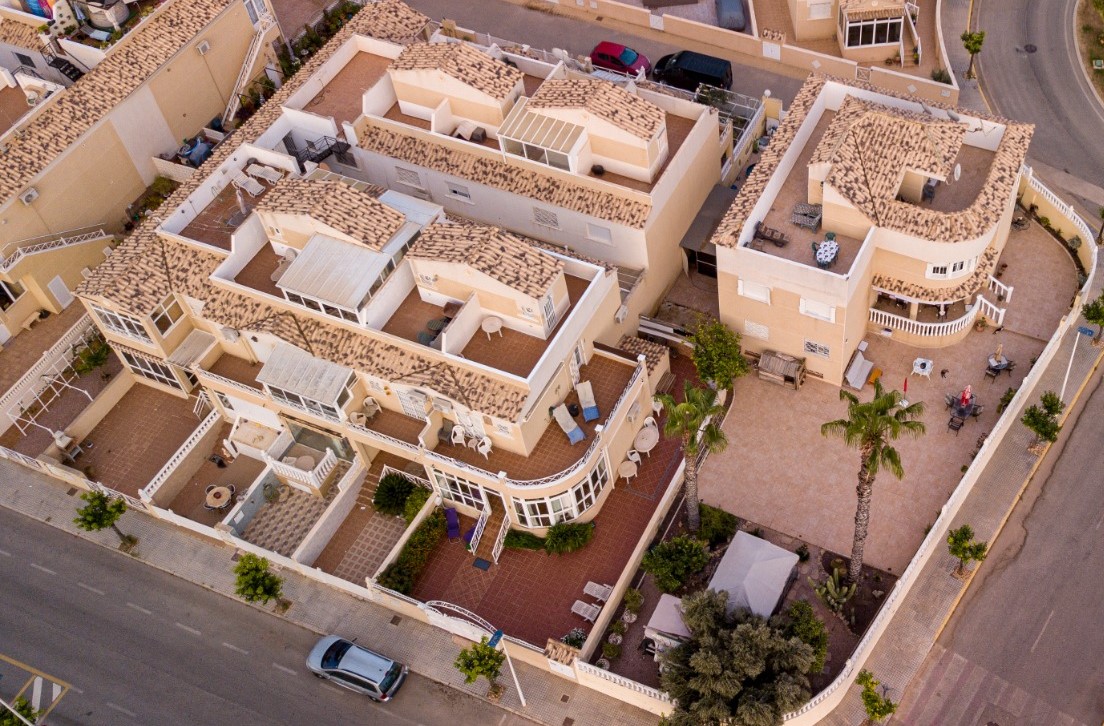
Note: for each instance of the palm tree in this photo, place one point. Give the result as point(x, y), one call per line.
point(695, 422)
point(870, 427)
point(972, 42)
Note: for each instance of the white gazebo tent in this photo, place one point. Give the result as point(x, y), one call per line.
point(665, 627)
point(754, 573)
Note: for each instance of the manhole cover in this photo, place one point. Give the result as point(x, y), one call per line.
point(1030, 48)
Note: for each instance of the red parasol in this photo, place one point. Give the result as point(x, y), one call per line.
point(967, 396)
point(906, 385)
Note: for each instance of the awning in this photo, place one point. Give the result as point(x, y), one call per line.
point(549, 133)
point(754, 573)
point(706, 221)
point(666, 620)
point(297, 371)
point(334, 271)
point(194, 346)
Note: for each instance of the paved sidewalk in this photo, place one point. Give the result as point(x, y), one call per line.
point(953, 20)
point(427, 650)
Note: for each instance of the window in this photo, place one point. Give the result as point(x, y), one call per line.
point(459, 490)
point(166, 314)
point(756, 330)
point(564, 507)
point(545, 218)
point(255, 8)
point(951, 271)
point(408, 177)
point(224, 400)
point(818, 310)
point(549, 313)
point(814, 348)
point(318, 408)
point(151, 370)
point(9, 293)
point(753, 291)
point(25, 60)
point(873, 32)
point(599, 234)
point(458, 191)
point(820, 11)
point(333, 311)
point(123, 324)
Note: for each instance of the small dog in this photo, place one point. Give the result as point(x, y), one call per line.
point(943, 373)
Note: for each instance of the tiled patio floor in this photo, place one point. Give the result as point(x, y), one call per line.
point(189, 502)
point(781, 473)
point(25, 349)
point(360, 545)
point(529, 594)
point(212, 224)
point(13, 106)
point(280, 526)
point(343, 98)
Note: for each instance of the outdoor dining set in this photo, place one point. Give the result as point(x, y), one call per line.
point(826, 252)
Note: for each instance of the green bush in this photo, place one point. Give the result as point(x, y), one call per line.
point(673, 561)
point(518, 540)
point(392, 493)
point(401, 574)
point(808, 628)
point(575, 637)
point(940, 75)
point(415, 502)
point(717, 525)
point(610, 651)
point(618, 627)
point(633, 600)
point(567, 537)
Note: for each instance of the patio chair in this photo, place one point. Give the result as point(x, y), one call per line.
point(484, 447)
point(458, 435)
point(371, 407)
point(266, 173)
point(249, 185)
point(567, 424)
point(977, 411)
point(585, 610)
point(657, 406)
point(950, 399)
point(208, 489)
point(634, 456)
point(1010, 367)
point(955, 424)
point(586, 400)
point(426, 338)
point(650, 421)
point(452, 522)
point(991, 374)
point(601, 593)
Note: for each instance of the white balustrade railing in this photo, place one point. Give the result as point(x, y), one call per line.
point(245, 387)
point(622, 681)
point(989, 310)
point(308, 477)
point(1003, 292)
point(935, 330)
point(15, 251)
point(31, 382)
point(500, 540)
point(479, 527)
point(147, 492)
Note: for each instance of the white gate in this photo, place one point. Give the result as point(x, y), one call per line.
point(500, 541)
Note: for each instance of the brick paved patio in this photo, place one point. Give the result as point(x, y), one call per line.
point(25, 349)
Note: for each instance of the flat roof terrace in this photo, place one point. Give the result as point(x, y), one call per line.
point(342, 98)
point(222, 215)
point(13, 106)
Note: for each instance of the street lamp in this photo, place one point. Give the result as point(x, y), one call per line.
point(1082, 332)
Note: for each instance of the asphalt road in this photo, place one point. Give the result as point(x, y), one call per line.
point(142, 647)
point(1045, 87)
point(1027, 634)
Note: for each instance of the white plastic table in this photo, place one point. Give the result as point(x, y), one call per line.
point(646, 439)
point(491, 324)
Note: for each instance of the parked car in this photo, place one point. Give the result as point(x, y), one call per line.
point(356, 668)
point(730, 14)
point(617, 57)
point(687, 69)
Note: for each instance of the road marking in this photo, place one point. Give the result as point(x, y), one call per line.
point(193, 631)
point(235, 648)
point(90, 588)
point(139, 608)
point(1040, 636)
point(5, 553)
point(120, 709)
point(285, 669)
point(47, 570)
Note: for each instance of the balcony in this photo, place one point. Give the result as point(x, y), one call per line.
point(218, 220)
point(261, 272)
point(237, 371)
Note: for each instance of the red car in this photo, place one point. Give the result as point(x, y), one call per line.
point(616, 57)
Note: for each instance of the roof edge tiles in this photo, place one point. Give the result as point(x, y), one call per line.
point(627, 111)
point(358, 214)
point(463, 63)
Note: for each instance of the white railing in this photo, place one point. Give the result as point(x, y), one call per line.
point(147, 492)
point(935, 330)
point(989, 310)
point(422, 481)
point(16, 251)
point(228, 382)
point(308, 477)
point(1083, 230)
point(1004, 292)
point(265, 23)
point(32, 381)
point(479, 527)
point(622, 681)
point(500, 540)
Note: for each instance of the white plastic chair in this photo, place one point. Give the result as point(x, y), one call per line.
point(650, 421)
point(458, 435)
point(484, 447)
point(657, 406)
point(633, 456)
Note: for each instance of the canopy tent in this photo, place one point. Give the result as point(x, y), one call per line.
point(754, 573)
point(666, 626)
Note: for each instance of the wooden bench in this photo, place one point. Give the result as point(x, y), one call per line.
point(31, 320)
point(769, 234)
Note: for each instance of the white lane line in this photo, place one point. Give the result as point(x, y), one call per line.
point(285, 669)
point(120, 709)
point(47, 570)
point(235, 648)
point(5, 553)
point(90, 588)
point(139, 608)
point(193, 631)
point(1040, 636)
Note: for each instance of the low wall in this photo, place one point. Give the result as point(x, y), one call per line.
point(192, 454)
point(100, 406)
point(323, 530)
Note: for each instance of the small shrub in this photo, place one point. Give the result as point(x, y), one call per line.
point(518, 540)
point(1006, 399)
point(610, 651)
point(808, 628)
point(673, 561)
point(877, 706)
point(618, 627)
point(633, 600)
point(392, 493)
point(401, 574)
point(1042, 419)
point(940, 75)
point(567, 537)
point(415, 502)
point(717, 525)
point(93, 355)
point(803, 552)
point(255, 582)
point(575, 638)
point(480, 660)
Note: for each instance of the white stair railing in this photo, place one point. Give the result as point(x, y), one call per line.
point(479, 527)
point(1003, 291)
point(264, 24)
point(500, 541)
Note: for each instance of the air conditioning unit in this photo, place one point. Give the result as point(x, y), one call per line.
point(621, 314)
point(28, 195)
point(229, 335)
point(204, 47)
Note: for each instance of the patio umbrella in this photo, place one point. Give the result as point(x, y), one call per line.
point(967, 394)
point(906, 385)
point(1000, 350)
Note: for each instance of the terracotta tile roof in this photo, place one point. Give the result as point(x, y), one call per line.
point(872, 9)
point(127, 66)
point(625, 110)
point(464, 63)
point(503, 175)
point(977, 280)
point(492, 251)
point(357, 214)
point(21, 35)
point(863, 177)
point(654, 353)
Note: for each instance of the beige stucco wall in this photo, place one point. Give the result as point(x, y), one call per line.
point(34, 272)
point(427, 89)
point(808, 29)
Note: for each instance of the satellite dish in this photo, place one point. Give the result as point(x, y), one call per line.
point(957, 171)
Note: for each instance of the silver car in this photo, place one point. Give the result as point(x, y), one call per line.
point(356, 668)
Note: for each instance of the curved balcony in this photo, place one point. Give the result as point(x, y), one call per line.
point(934, 334)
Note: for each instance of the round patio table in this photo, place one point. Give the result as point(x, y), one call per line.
point(998, 364)
point(646, 439)
point(627, 470)
point(491, 324)
point(962, 411)
point(218, 497)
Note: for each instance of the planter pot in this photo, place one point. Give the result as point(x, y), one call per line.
point(629, 617)
point(616, 638)
point(603, 664)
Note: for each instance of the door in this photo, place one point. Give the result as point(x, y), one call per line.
point(58, 289)
point(413, 403)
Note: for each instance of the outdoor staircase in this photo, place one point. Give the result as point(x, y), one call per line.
point(318, 150)
point(494, 522)
point(64, 67)
point(265, 23)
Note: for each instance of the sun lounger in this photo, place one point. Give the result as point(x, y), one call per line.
point(601, 593)
point(267, 173)
point(452, 521)
point(563, 418)
point(586, 400)
point(250, 185)
point(586, 610)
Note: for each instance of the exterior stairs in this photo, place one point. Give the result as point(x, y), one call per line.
point(490, 532)
point(264, 24)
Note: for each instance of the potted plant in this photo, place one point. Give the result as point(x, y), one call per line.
point(602, 663)
point(610, 651)
point(981, 324)
point(633, 601)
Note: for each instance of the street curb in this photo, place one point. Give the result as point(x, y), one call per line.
point(50, 522)
point(1019, 495)
point(1081, 60)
